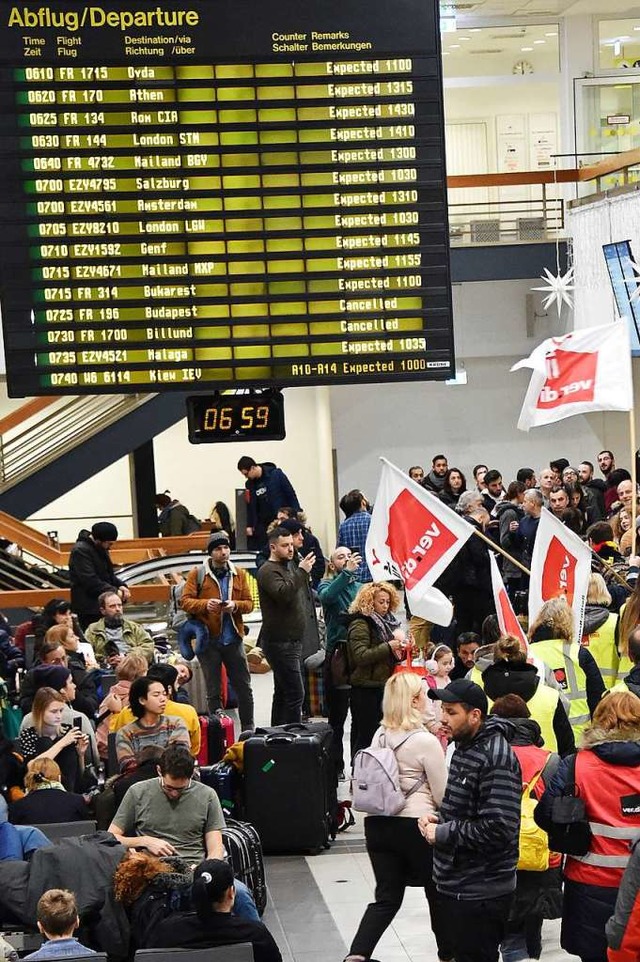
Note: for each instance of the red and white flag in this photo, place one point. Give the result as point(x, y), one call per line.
point(413, 537)
point(560, 565)
point(509, 624)
point(580, 372)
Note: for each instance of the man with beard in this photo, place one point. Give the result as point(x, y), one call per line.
point(91, 571)
point(475, 834)
point(435, 479)
point(113, 636)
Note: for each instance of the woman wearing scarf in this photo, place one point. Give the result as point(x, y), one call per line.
point(47, 800)
point(374, 641)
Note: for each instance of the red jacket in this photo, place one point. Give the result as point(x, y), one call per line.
point(623, 928)
point(610, 793)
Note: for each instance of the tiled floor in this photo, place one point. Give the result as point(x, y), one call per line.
point(316, 902)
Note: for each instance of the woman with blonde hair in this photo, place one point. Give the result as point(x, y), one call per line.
point(49, 737)
point(606, 772)
point(47, 799)
point(399, 854)
point(374, 644)
point(551, 636)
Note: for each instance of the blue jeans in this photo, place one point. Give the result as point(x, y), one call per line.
point(244, 906)
point(285, 658)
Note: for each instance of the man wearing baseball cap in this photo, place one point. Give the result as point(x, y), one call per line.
point(219, 598)
point(475, 834)
point(91, 571)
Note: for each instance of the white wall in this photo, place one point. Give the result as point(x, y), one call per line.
point(201, 474)
point(472, 423)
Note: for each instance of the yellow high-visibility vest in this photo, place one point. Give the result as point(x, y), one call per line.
point(562, 659)
point(542, 706)
point(602, 645)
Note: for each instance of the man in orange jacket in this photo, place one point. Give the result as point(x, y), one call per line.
point(223, 597)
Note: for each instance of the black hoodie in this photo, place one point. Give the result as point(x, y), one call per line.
point(632, 681)
point(521, 678)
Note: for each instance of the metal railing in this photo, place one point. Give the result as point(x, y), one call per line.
point(63, 424)
point(528, 206)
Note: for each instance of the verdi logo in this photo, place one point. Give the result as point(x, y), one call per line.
point(416, 538)
point(559, 574)
point(571, 377)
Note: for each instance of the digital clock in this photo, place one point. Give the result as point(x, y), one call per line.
point(236, 417)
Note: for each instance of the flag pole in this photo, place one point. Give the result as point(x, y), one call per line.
point(505, 554)
point(612, 571)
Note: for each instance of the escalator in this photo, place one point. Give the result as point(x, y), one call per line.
point(47, 456)
point(17, 575)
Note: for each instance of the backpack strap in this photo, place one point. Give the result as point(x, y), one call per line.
point(528, 789)
point(202, 574)
point(419, 782)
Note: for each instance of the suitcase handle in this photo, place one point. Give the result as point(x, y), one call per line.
point(283, 739)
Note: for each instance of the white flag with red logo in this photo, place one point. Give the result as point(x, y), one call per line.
point(560, 565)
point(413, 537)
point(580, 372)
point(509, 624)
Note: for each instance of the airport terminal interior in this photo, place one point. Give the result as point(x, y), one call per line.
point(350, 219)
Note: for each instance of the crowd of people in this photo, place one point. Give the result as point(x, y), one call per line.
point(492, 742)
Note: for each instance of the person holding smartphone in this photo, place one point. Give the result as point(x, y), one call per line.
point(50, 737)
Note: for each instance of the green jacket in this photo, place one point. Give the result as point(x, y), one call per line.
point(133, 635)
point(371, 662)
point(336, 594)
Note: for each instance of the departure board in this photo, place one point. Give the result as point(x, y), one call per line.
point(222, 193)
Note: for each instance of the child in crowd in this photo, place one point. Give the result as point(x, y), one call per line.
point(57, 915)
point(439, 665)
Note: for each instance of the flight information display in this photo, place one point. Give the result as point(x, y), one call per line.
point(222, 193)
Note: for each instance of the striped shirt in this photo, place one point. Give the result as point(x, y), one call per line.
point(130, 740)
point(476, 846)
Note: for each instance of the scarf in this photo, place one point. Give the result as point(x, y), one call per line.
point(385, 625)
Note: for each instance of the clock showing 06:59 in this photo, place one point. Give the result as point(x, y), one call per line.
point(250, 416)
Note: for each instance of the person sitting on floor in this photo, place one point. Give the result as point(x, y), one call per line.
point(47, 800)
point(57, 915)
point(212, 923)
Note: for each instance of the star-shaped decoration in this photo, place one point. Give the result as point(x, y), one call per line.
point(635, 282)
point(557, 287)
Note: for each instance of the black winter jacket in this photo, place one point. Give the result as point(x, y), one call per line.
point(91, 572)
point(513, 678)
point(476, 845)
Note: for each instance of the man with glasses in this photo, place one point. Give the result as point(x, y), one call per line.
point(176, 815)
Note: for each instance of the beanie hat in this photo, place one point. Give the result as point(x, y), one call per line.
point(50, 676)
point(291, 525)
point(217, 539)
point(104, 531)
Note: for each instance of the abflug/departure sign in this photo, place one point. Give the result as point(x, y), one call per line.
point(219, 193)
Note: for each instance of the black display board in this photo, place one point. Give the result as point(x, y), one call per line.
point(222, 193)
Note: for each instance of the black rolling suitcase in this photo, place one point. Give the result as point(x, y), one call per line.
point(245, 853)
point(290, 786)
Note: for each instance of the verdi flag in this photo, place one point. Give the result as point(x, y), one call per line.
point(560, 565)
point(578, 373)
point(507, 620)
point(413, 537)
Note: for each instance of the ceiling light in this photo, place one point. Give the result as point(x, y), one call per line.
point(526, 49)
point(455, 46)
point(636, 28)
point(479, 29)
point(539, 41)
point(464, 38)
point(445, 53)
point(553, 33)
